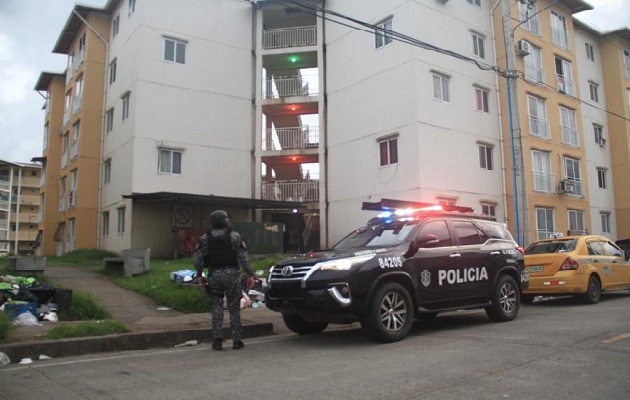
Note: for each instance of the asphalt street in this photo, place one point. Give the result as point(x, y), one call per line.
point(555, 349)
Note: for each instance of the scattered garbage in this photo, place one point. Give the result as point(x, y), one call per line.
point(4, 360)
point(26, 319)
point(163, 308)
point(44, 357)
point(187, 343)
point(26, 360)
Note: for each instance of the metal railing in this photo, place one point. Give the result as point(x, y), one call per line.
point(298, 137)
point(543, 182)
point(291, 191)
point(569, 135)
point(289, 37)
point(539, 127)
point(566, 85)
point(275, 88)
point(560, 38)
point(534, 73)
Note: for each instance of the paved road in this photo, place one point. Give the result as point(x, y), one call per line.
point(555, 350)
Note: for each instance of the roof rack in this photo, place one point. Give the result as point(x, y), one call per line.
point(391, 204)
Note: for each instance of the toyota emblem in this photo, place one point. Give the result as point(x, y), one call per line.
point(287, 271)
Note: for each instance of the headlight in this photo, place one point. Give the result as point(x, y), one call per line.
point(344, 264)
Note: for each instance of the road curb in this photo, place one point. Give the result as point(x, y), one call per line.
point(120, 342)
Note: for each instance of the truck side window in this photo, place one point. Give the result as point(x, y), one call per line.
point(468, 233)
point(439, 229)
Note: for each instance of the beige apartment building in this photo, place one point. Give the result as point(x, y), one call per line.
point(72, 135)
point(19, 207)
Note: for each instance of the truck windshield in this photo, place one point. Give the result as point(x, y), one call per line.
point(381, 235)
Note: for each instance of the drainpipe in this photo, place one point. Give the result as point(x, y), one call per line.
point(100, 161)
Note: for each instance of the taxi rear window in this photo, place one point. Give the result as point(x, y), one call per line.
point(556, 246)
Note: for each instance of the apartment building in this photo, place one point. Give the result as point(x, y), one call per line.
point(72, 134)
point(19, 207)
point(288, 113)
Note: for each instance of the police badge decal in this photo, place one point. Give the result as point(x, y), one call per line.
point(426, 278)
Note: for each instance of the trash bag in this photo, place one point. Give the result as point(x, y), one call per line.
point(26, 319)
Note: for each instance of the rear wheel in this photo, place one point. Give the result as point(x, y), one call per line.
point(527, 298)
point(505, 300)
point(390, 314)
point(301, 326)
point(593, 290)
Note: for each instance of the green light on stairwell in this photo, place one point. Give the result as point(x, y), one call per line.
point(294, 59)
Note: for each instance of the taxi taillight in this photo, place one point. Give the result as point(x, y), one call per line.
point(521, 249)
point(569, 264)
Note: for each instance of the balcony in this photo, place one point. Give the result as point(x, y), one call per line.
point(543, 182)
point(299, 137)
point(560, 38)
point(4, 185)
point(291, 191)
point(64, 159)
point(569, 136)
point(534, 73)
point(539, 127)
point(74, 150)
point(289, 37)
point(566, 85)
point(275, 88)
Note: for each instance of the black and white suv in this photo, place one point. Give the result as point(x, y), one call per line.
point(404, 264)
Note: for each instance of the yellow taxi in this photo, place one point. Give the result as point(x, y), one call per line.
point(584, 266)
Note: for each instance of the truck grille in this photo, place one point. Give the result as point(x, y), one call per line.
point(291, 273)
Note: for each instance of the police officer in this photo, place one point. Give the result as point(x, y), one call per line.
point(221, 250)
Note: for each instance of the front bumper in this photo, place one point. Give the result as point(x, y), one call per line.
point(291, 297)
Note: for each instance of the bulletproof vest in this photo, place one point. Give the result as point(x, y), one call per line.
point(220, 252)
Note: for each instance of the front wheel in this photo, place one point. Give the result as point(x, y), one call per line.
point(301, 326)
point(593, 291)
point(390, 314)
point(505, 300)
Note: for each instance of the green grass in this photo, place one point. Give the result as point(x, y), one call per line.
point(84, 306)
point(81, 257)
point(156, 284)
point(84, 329)
point(6, 326)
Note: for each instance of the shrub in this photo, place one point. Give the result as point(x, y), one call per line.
point(84, 306)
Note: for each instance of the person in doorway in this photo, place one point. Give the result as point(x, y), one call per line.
point(222, 250)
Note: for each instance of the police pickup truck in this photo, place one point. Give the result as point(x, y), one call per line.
point(406, 263)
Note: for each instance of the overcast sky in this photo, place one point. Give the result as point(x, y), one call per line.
point(29, 29)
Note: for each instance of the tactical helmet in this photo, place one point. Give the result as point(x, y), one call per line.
point(219, 219)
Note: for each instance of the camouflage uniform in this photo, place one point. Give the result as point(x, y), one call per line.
point(223, 280)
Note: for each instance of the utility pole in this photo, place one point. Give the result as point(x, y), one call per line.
point(521, 218)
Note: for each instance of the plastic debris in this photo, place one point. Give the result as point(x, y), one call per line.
point(26, 319)
point(187, 343)
point(26, 360)
point(163, 308)
point(4, 360)
point(44, 357)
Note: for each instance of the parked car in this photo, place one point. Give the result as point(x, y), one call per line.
point(583, 266)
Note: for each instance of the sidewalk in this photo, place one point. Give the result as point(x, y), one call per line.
point(151, 326)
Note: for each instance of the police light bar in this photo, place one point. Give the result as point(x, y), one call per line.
point(393, 206)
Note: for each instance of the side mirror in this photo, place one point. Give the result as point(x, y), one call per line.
point(426, 240)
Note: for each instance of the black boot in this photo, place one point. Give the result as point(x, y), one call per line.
point(238, 345)
point(217, 344)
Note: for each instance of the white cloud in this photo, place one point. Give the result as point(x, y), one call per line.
point(16, 83)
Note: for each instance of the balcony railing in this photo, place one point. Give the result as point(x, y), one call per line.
point(74, 150)
point(76, 105)
point(4, 185)
point(569, 136)
point(543, 182)
point(299, 137)
point(560, 38)
point(566, 85)
point(290, 86)
point(289, 37)
point(539, 127)
point(578, 186)
point(4, 224)
point(534, 73)
point(291, 191)
point(4, 204)
point(64, 159)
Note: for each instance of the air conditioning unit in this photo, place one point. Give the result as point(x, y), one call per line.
point(567, 186)
point(522, 47)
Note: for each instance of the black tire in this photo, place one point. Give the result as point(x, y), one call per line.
point(593, 290)
point(527, 298)
point(390, 314)
point(505, 300)
point(300, 326)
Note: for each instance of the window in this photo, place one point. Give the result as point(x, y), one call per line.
point(626, 62)
point(560, 36)
point(109, 120)
point(528, 17)
point(605, 218)
point(598, 132)
point(132, 7)
point(576, 222)
point(169, 161)
point(112, 71)
point(115, 25)
point(79, 94)
point(538, 123)
point(478, 45)
point(469, 234)
point(383, 33)
point(564, 77)
point(601, 178)
point(72, 223)
point(489, 209)
point(46, 136)
point(533, 62)
point(572, 173)
point(440, 87)
point(544, 222)
point(121, 220)
point(107, 170)
point(388, 149)
point(475, 2)
point(590, 52)
point(481, 100)
point(541, 168)
point(125, 105)
point(175, 51)
point(593, 88)
point(485, 157)
point(439, 229)
point(105, 222)
point(568, 126)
